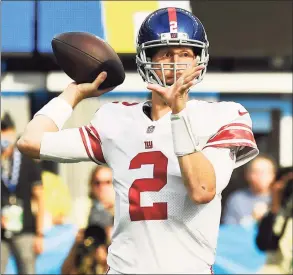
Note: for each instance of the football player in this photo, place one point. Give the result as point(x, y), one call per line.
point(171, 157)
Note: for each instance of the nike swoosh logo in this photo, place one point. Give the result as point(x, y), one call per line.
point(242, 113)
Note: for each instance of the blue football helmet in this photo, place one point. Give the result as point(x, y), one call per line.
point(169, 27)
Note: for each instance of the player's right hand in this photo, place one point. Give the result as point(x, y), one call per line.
point(92, 89)
point(75, 93)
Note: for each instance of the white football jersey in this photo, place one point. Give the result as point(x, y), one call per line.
point(157, 228)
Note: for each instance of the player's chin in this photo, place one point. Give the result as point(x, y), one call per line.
point(170, 79)
point(170, 82)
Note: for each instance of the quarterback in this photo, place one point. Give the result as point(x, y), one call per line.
point(171, 157)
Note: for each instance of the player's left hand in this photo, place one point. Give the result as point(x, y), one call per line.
point(176, 95)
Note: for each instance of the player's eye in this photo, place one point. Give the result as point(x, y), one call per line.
point(187, 54)
point(168, 54)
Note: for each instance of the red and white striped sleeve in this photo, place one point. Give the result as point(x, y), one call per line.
point(238, 135)
point(74, 144)
point(92, 143)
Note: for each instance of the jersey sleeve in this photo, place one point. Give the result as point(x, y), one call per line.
point(235, 132)
point(92, 143)
point(65, 146)
point(223, 161)
point(74, 145)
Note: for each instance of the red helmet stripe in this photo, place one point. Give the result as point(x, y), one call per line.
point(172, 19)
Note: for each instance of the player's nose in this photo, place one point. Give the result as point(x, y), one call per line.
point(176, 58)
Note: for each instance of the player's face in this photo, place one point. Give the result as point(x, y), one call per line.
point(173, 55)
point(261, 175)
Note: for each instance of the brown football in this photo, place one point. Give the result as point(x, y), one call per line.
point(82, 56)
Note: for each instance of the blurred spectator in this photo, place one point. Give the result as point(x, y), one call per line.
point(103, 199)
point(250, 204)
point(98, 207)
point(88, 254)
point(21, 185)
point(275, 229)
point(98, 211)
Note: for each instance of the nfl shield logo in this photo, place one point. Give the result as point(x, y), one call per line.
point(150, 129)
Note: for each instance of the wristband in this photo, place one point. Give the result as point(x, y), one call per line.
point(58, 110)
point(184, 141)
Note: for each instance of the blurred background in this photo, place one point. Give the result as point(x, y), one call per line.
point(250, 63)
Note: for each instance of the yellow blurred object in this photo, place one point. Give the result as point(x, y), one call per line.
point(81, 208)
point(123, 21)
point(57, 197)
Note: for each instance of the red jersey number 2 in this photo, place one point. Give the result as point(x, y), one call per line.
point(159, 210)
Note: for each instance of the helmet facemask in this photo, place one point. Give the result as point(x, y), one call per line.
point(147, 69)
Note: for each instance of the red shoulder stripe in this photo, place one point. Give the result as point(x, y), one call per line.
point(92, 143)
point(231, 134)
point(234, 124)
point(95, 143)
